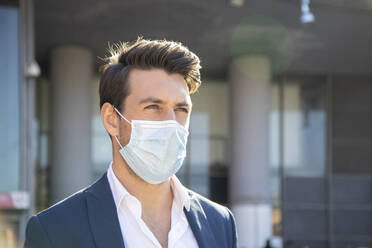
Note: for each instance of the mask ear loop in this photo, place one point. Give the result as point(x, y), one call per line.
point(117, 111)
point(117, 140)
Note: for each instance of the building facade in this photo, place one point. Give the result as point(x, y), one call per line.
point(17, 156)
point(281, 129)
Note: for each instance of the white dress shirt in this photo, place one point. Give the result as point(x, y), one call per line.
point(135, 231)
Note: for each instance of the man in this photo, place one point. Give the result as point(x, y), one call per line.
point(145, 108)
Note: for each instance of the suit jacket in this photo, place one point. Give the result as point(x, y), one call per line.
point(89, 219)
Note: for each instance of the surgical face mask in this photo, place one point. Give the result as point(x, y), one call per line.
point(156, 149)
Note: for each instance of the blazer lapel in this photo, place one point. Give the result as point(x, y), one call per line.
point(102, 215)
point(199, 224)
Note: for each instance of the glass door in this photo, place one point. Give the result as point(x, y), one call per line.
point(298, 160)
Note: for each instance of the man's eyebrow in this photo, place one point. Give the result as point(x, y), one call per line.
point(183, 104)
point(151, 99)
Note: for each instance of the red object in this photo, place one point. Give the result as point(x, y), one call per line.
point(6, 200)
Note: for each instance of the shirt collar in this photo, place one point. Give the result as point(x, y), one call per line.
point(180, 193)
point(119, 192)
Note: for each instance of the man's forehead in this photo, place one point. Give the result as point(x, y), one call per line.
point(156, 84)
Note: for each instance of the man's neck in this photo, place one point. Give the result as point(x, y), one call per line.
point(154, 198)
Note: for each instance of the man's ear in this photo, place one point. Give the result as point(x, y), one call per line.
point(110, 119)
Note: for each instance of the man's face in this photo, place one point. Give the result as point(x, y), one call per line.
point(155, 95)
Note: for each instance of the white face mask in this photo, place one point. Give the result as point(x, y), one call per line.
point(156, 149)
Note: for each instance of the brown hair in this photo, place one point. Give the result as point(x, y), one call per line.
point(171, 56)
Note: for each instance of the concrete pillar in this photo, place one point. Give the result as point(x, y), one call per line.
point(249, 177)
point(71, 76)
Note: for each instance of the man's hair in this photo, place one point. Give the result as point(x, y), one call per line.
point(170, 56)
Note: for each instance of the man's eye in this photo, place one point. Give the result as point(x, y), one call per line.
point(183, 109)
point(152, 107)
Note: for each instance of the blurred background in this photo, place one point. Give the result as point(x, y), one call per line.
point(281, 129)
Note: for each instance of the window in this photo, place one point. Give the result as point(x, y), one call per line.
point(9, 99)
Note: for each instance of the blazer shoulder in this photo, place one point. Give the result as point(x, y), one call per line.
point(72, 209)
point(66, 206)
point(220, 219)
point(210, 207)
point(65, 218)
point(36, 235)
point(69, 213)
point(66, 223)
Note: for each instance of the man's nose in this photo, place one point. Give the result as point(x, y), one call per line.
point(170, 114)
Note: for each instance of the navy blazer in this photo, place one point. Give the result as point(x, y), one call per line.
point(89, 219)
